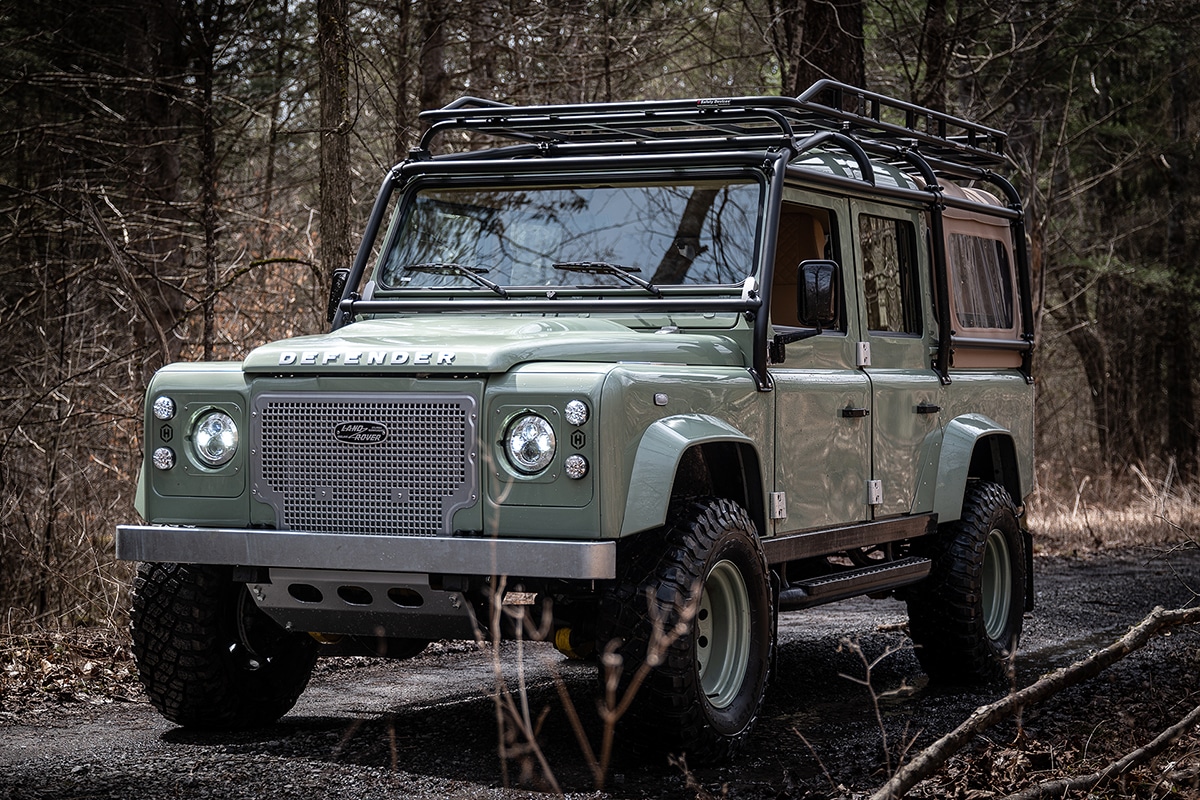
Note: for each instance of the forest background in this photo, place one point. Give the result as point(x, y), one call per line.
point(178, 179)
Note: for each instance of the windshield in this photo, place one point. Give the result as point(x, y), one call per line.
point(635, 236)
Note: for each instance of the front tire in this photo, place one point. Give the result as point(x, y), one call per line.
point(208, 657)
point(703, 579)
point(966, 617)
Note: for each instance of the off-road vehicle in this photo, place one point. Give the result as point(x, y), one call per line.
point(667, 368)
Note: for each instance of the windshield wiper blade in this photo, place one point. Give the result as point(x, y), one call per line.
point(449, 268)
point(606, 268)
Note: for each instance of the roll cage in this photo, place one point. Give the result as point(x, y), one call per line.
point(763, 134)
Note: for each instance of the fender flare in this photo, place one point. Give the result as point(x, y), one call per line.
point(959, 444)
point(657, 459)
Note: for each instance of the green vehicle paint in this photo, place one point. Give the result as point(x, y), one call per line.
point(568, 354)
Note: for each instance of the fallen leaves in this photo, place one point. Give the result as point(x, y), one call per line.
point(89, 666)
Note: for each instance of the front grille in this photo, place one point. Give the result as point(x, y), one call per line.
point(365, 463)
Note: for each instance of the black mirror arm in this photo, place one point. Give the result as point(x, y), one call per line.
point(788, 337)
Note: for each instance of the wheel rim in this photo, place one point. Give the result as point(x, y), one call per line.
point(723, 634)
point(996, 585)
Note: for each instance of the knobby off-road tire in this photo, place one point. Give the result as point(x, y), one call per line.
point(966, 617)
point(208, 657)
point(704, 695)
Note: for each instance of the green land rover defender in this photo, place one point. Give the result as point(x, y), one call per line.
point(667, 368)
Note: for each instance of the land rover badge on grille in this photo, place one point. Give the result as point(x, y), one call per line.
point(360, 432)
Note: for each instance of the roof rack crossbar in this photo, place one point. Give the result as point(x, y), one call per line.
point(954, 146)
point(588, 124)
point(868, 111)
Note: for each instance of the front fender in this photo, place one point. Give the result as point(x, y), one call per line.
point(657, 459)
point(962, 436)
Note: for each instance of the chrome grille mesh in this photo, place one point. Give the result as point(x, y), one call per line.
point(416, 466)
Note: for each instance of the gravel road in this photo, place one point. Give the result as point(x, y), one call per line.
point(426, 728)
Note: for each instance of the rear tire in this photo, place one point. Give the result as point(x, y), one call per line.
point(208, 657)
point(704, 579)
point(966, 617)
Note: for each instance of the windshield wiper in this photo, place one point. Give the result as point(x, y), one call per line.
point(605, 268)
point(448, 268)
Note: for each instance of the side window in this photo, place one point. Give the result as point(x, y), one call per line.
point(889, 260)
point(805, 233)
point(981, 280)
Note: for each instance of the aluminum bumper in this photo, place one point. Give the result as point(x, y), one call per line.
point(528, 558)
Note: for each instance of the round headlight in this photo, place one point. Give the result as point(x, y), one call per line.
point(576, 412)
point(530, 443)
point(215, 437)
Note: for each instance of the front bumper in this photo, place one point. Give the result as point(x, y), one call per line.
point(526, 558)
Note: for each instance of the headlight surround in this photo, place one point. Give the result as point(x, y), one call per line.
point(215, 438)
point(529, 443)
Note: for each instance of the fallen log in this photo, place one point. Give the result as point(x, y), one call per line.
point(1060, 786)
point(933, 757)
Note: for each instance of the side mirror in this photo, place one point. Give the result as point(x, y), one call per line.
point(337, 285)
point(818, 291)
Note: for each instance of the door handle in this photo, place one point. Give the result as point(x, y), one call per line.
point(853, 412)
point(928, 408)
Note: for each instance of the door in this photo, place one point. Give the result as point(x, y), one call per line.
point(896, 318)
point(822, 431)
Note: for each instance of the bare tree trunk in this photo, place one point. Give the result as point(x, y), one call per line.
point(208, 30)
point(935, 51)
point(815, 39)
point(435, 81)
point(155, 53)
point(1180, 347)
point(265, 233)
point(401, 73)
point(333, 42)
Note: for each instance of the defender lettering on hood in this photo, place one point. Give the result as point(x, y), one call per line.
point(365, 358)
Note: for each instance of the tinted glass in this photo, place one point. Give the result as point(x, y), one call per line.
point(696, 233)
point(888, 248)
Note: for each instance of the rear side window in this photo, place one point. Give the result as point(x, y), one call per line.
point(981, 280)
point(889, 261)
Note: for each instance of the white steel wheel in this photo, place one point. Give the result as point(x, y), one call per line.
point(996, 585)
point(723, 634)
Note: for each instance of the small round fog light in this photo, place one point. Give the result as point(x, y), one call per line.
point(164, 408)
point(576, 412)
point(164, 458)
point(575, 466)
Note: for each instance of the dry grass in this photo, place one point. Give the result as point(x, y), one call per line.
point(1125, 512)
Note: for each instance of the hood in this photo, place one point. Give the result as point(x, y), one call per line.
point(446, 343)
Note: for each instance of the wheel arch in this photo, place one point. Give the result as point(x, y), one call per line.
point(975, 446)
point(691, 454)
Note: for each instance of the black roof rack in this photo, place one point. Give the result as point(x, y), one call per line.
point(883, 126)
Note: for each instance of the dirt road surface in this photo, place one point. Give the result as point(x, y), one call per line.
point(426, 728)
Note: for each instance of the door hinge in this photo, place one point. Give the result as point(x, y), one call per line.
point(778, 505)
point(874, 493)
point(863, 355)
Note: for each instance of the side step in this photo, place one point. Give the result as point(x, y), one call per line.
point(853, 582)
